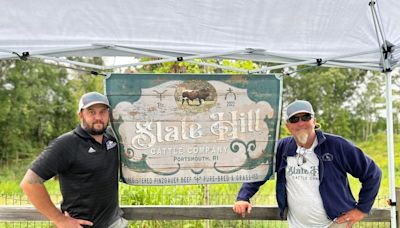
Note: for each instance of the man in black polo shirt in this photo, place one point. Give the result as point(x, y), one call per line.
point(86, 161)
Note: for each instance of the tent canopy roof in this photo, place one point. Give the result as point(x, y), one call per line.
point(340, 33)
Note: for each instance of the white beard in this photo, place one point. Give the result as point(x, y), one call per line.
point(301, 137)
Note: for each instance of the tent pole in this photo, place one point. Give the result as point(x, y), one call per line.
point(389, 134)
point(387, 68)
point(328, 61)
point(59, 60)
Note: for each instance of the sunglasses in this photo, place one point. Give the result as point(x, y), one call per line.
point(295, 119)
point(301, 159)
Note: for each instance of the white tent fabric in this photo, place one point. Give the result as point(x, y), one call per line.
point(362, 34)
point(340, 32)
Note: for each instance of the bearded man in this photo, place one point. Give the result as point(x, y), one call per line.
point(86, 162)
point(312, 188)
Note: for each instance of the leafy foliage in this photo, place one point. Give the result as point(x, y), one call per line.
point(346, 101)
point(38, 102)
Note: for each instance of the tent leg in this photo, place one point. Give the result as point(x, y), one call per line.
point(389, 133)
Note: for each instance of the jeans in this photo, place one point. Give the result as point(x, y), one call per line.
point(119, 223)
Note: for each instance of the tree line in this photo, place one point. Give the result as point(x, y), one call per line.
point(38, 101)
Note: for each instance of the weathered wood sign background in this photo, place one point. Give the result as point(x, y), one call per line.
point(195, 129)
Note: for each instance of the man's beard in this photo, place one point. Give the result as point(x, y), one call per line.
point(302, 137)
point(92, 130)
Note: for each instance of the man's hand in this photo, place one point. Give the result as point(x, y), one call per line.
point(240, 207)
point(67, 221)
point(351, 217)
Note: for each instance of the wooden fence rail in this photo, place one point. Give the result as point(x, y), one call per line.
point(29, 213)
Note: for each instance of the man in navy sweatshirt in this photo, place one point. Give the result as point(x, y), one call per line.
point(312, 167)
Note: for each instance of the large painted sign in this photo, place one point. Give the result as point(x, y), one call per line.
point(195, 129)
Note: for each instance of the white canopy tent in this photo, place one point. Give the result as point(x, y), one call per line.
point(362, 34)
point(339, 33)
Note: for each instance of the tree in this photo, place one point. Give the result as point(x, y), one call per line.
point(371, 103)
point(38, 102)
point(329, 90)
point(396, 102)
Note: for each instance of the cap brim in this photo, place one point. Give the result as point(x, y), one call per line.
point(93, 103)
point(301, 111)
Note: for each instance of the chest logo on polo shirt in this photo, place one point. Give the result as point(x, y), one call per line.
point(91, 150)
point(327, 157)
point(110, 144)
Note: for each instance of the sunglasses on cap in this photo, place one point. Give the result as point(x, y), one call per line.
point(295, 119)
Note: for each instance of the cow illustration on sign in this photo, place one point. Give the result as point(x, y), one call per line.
point(191, 95)
point(195, 96)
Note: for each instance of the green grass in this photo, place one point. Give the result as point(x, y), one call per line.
point(10, 176)
point(376, 148)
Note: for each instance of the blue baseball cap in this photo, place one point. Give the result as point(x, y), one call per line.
point(92, 98)
point(299, 106)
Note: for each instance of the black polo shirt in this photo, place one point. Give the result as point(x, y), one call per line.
point(88, 174)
